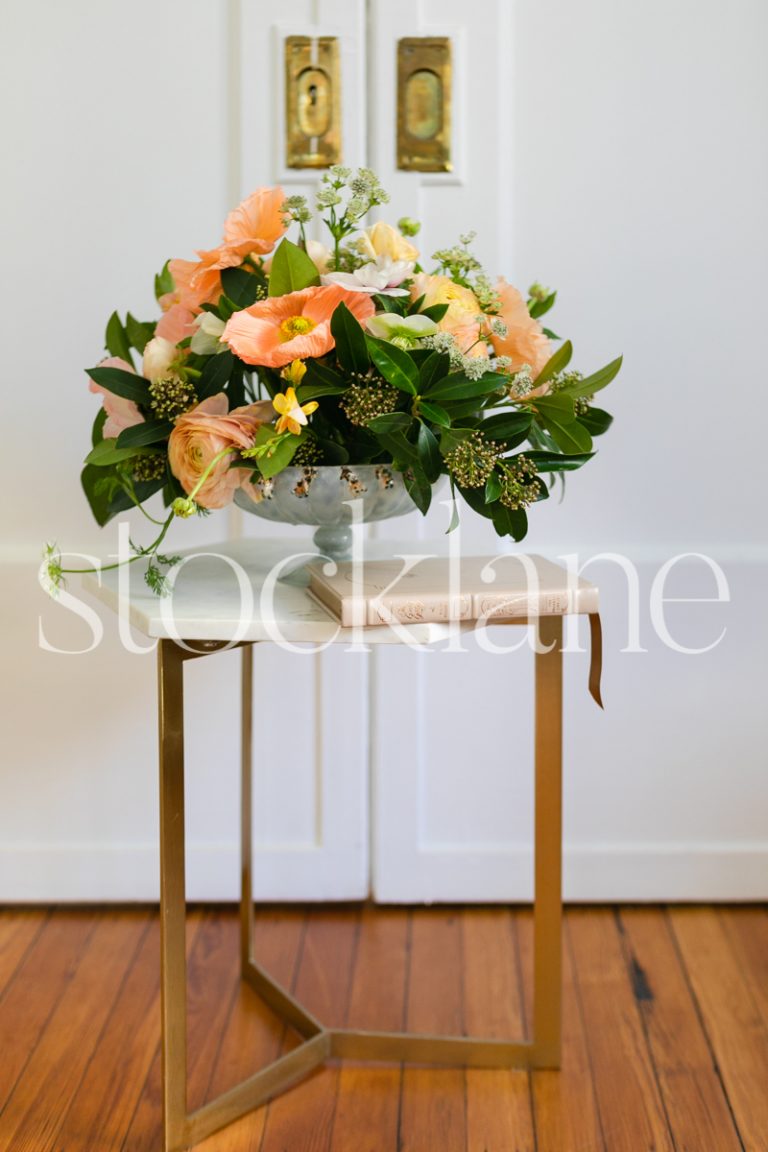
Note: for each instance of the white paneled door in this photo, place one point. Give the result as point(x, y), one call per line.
point(312, 824)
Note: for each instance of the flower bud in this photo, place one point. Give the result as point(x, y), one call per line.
point(159, 354)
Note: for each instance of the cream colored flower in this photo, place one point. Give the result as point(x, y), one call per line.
point(383, 240)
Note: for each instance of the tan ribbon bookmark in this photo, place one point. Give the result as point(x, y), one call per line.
point(596, 657)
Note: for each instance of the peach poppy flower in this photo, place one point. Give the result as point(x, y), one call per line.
point(281, 329)
point(257, 224)
point(198, 282)
point(176, 323)
point(204, 432)
point(525, 342)
point(121, 413)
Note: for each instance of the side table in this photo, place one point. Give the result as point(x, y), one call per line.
point(204, 608)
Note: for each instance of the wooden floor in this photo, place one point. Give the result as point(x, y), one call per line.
point(665, 1030)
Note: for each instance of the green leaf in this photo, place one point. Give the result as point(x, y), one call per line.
point(509, 522)
point(391, 432)
point(596, 420)
point(121, 383)
point(97, 433)
point(164, 282)
point(550, 334)
point(105, 454)
point(138, 333)
point(389, 304)
point(435, 312)
point(215, 375)
point(556, 363)
point(558, 416)
point(538, 307)
point(591, 384)
point(240, 287)
point(390, 422)
point(97, 494)
point(282, 454)
point(148, 432)
point(418, 488)
point(506, 425)
point(291, 271)
point(435, 368)
point(351, 349)
point(458, 387)
point(116, 340)
point(429, 453)
point(434, 413)
point(396, 366)
point(556, 462)
point(415, 305)
point(492, 487)
point(320, 381)
point(333, 453)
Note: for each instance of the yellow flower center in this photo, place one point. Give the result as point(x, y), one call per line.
point(296, 326)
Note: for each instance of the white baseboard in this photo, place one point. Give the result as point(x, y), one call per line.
point(126, 873)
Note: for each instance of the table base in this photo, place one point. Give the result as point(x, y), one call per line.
point(181, 1127)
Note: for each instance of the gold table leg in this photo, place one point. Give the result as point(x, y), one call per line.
point(182, 1128)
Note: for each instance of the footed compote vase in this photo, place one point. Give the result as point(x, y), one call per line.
point(323, 495)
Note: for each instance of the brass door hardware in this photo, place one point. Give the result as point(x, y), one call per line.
point(312, 102)
point(424, 76)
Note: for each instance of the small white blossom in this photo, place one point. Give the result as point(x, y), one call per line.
point(207, 340)
point(380, 276)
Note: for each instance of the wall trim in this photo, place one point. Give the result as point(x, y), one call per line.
point(665, 872)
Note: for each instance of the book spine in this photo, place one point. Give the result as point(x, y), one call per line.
point(410, 610)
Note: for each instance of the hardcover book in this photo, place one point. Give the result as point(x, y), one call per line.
point(418, 589)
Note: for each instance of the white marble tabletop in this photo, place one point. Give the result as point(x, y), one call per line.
point(233, 592)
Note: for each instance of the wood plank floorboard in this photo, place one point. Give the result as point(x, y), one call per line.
point(731, 1017)
point(665, 1029)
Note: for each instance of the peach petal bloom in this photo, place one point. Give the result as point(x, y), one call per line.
point(121, 413)
point(467, 337)
point(199, 435)
point(255, 225)
point(276, 331)
point(463, 306)
point(525, 342)
point(176, 324)
point(197, 282)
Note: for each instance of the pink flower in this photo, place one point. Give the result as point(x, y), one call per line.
point(121, 413)
point(201, 435)
point(176, 324)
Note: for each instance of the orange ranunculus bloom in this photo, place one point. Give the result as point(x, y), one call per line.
point(281, 329)
point(525, 342)
point(257, 224)
point(201, 434)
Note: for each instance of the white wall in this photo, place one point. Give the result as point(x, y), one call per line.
point(636, 135)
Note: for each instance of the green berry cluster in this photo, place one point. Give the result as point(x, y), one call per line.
point(171, 397)
point(368, 398)
point(473, 459)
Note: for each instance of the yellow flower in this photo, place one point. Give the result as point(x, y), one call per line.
point(294, 372)
point(384, 240)
point(292, 414)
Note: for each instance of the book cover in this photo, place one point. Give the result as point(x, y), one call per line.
point(434, 589)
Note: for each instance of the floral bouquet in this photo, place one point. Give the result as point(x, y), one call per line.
point(271, 352)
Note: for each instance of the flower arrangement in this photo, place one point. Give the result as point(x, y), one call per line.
point(272, 352)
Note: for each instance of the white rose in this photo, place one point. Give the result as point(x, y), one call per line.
point(159, 354)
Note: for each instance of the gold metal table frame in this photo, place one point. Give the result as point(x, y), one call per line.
point(320, 1043)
